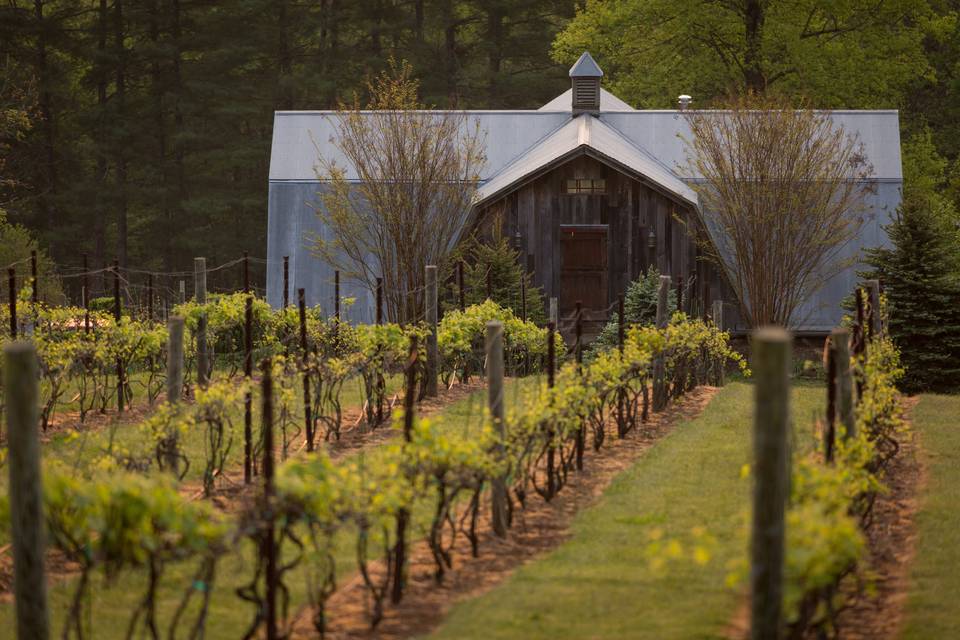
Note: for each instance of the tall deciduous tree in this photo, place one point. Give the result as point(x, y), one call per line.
point(417, 173)
point(785, 190)
point(837, 53)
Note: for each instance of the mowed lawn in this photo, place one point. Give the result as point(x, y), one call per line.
point(603, 583)
point(933, 610)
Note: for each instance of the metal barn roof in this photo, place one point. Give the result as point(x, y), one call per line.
point(585, 134)
point(585, 67)
point(300, 137)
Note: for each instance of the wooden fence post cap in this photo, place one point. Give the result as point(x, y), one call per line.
point(772, 335)
point(494, 324)
point(664, 279)
point(19, 348)
point(840, 333)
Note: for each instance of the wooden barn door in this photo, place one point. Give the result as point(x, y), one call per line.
point(584, 274)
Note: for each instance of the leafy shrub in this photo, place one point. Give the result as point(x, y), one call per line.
point(639, 308)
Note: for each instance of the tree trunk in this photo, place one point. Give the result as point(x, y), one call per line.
point(753, 18)
point(45, 104)
point(120, 151)
point(100, 231)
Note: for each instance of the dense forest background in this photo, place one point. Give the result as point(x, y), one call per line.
point(140, 129)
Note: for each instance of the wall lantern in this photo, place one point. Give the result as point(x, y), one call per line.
point(652, 240)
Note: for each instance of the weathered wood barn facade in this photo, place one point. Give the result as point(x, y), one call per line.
point(591, 191)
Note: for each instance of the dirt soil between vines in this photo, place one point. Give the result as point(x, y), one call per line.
point(541, 527)
point(232, 494)
point(877, 614)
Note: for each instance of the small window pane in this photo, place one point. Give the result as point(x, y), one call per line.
point(585, 186)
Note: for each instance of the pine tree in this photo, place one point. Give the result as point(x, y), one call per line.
point(921, 277)
point(639, 308)
point(502, 262)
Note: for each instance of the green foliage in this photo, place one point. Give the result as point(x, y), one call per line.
point(506, 268)
point(639, 308)
point(839, 54)
point(16, 243)
point(921, 278)
point(120, 522)
point(830, 503)
point(226, 315)
point(461, 340)
point(193, 137)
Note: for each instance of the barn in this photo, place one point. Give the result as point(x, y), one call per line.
point(591, 191)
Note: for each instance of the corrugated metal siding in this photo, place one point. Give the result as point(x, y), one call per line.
point(293, 187)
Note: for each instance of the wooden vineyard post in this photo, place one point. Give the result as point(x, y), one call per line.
point(462, 291)
point(379, 301)
point(621, 327)
point(551, 373)
point(551, 352)
point(150, 297)
point(554, 312)
point(174, 358)
point(489, 282)
point(578, 355)
point(336, 295)
point(183, 291)
point(305, 362)
point(873, 296)
point(433, 357)
point(248, 396)
point(494, 350)
point(26, 501)
point(200, 295)
point(86, 296)
point(116, 317)
point(269, 541)
point(771, 485)
point(578, 332)
point(403, 515)
point(85, 300)
point(523, 297)
point(286, 281)
point(12, 283)
point(840, 345)
point(680, 293)
point(621, 400)
point(721, 373)
point(246, 272)
point(659, 365)
point(830, 429)
point(34, 284)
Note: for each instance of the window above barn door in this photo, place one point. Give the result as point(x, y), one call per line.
point(585, 186)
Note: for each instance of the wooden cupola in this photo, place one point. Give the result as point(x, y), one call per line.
point(585, 77)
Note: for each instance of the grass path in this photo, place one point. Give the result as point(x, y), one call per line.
point(932, 607)
point(601, 583)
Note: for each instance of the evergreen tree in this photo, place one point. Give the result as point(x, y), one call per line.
point(502, 262)
point(921, 278)
point(639, 308)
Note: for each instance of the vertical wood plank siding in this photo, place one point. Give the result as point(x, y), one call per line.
point(629, 208)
